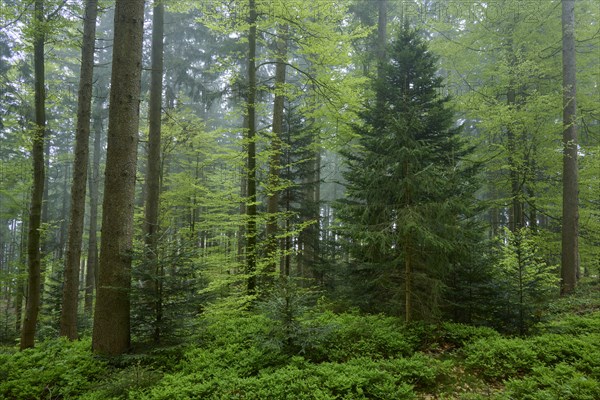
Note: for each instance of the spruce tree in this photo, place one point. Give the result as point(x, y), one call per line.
point(409, 190)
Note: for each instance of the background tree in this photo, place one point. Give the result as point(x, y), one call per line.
point(153, 171)
point(570, 210)
point(70, 298)
point(34, 256)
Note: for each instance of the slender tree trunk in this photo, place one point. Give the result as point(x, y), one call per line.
point(570, 214)
point(35, 211)
point(111, 333)
point(91, 275)
point(274, 159)
point(516, 219)
point(407, 283)
point(381, 37)
point(251, 171)
point(151, 225)
point(68, 319)
point(20, 279)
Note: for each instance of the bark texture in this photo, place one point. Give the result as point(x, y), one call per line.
point(151, 225)
point(34, 258)
point(68, 317)
point(111, 333)
point(570, 214)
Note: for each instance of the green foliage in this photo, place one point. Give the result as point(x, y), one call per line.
point(348, 336)
point(561, 381)
point(523, 282)
point(54, 369)
point(410, 190)
point(500, 358)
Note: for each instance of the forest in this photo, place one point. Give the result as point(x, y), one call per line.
point(280, 199)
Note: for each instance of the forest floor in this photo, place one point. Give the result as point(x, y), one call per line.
point(318, 354)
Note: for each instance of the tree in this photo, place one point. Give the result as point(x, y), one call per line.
point(111, 332)
point(525, 282)
point(409, 188)
point(570, 210)
point(35, 211)
point(251, 211)
point(151, 222)
point(274, 160)
point(68, 321)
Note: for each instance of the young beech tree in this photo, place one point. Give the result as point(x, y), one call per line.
point(408, 190)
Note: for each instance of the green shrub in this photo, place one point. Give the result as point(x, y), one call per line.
point(359, 378)
point(348, 336)
point(458, 335)
point(561, 381)
point(573, 324)
point(54, 369)
point(553, 349)
point(500, 358)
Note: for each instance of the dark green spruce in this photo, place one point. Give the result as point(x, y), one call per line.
point(410, 191)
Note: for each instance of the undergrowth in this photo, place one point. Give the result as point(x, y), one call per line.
point(312, 353)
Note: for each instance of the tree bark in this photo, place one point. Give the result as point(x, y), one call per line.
point(251, 167)
point(274, 159)
point(91, 275)
point(68, 319)
point(151, 224)
point(35, 211)
point(111, 333)
point(570, 214)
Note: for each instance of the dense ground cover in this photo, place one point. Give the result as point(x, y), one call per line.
point(318, 354)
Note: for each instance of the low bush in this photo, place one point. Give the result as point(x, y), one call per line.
point(346, 336)
point(561, 381)
point(54, 369)
point(499, 358)
point(359, 378)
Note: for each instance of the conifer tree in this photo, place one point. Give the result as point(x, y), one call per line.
point(408, 189)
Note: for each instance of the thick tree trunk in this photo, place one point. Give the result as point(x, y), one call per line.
point(68, 318)
point(151, 225)
point(111, 333)
point(251, 167)
point(570, 214)
point(35, 211)
point(274, 159)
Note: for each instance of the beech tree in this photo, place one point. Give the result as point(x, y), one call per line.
point(111, 333)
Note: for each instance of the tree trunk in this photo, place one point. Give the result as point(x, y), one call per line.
point(274, 159)
point(251, 171)
point(570, 214)
point(381, 37)
point(91, 275)
point(151, 225)
point(68, 318)
point(35, 211)
point(111, 333)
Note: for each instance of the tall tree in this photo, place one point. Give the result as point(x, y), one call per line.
point(276, 140)
point(111, 332)
point(37, 194)
point(68, 320)
point(151, 223)
point(251, 152)
point(408, 188)
point(570, 210)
